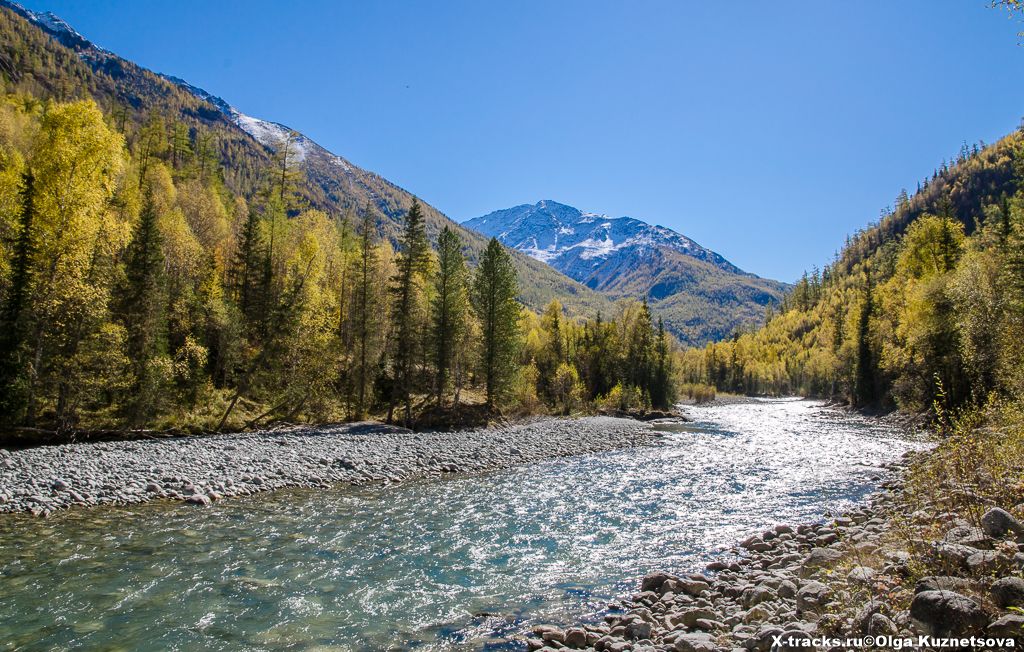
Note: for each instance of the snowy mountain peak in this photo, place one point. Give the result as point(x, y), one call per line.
point(577, 242)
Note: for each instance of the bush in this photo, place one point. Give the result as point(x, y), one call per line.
point(625, 398)
point(698, 392)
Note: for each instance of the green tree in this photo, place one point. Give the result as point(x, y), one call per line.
point(366, 313)
point(449, 308)
point(864, 391)
point(250, 259)
point(406, 313)
point(142, 308)
point(13, 318)
point(494, 300)
point(662, 391)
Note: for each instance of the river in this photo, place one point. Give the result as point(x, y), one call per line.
point(460, 563)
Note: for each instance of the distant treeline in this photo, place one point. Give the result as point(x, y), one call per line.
point(137, 291)
point(922, 310)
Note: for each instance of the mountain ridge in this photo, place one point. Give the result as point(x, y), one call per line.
point(701, 295)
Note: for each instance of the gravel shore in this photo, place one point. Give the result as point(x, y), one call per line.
point(882, 570)
point(200, 470)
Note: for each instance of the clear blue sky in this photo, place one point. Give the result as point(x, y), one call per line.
point(764, 130)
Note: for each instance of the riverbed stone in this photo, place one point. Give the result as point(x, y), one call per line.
point(942, 583)
point(945, 613)
point(575, 637)
point(1006, 625)
point(694, 642)
point(998, 523)
point(1008, 592)
point(813, 596)
point(127, 472)
point(862, 575)
point(817, 559)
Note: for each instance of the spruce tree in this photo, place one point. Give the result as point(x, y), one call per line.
point(143, 304)
point(14, 316)
point(661, 390)
point(406, 289)
point(363, 310)
point(640, 350)
point(494, 300)
point(864, 383)
point(449, 307)
point(248, 265)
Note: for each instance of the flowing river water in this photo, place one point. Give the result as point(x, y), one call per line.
point(459, 563)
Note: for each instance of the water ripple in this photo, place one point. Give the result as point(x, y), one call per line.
point(460, 563)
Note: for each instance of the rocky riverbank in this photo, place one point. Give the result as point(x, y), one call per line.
point(200, 470)
point(898, 567)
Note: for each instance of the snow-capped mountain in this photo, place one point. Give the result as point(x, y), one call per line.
point(700, 294)
point(579, 244)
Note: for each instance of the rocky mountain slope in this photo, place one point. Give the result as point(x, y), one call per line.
point(43, 55)
point(700, 294)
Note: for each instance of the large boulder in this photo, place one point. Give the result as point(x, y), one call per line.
point(968, 536)
point(576, 638)
point(690, 617)
point(942, 583)
point(1008, 592)
point(1008, 625)
point(792, 640)
point(695, 642)
point(818, 559)
point(653, 581)
point(881, 625)
point(812, 596)
point(998, 523)
point(945, 613)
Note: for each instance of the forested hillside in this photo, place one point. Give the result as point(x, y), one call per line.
point(146, 281)
point(48, 60)
point(923, 309)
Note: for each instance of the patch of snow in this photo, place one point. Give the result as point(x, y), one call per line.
point(340, 162)
point(596, 248)
point(272, 134)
